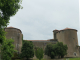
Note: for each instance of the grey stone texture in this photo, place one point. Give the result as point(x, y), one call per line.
point(67, 36)
point(16, 35)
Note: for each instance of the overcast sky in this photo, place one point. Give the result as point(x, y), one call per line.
point(39, 18)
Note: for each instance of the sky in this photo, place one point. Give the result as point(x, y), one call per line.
point(39, 18)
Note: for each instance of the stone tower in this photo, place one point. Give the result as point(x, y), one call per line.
point(54, 34)
point(68, 36)
point(16, 35)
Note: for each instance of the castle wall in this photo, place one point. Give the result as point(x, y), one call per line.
point(60, 36)
point(69, 37)
point(20, 42)
point(42, 44)
point(16, 35)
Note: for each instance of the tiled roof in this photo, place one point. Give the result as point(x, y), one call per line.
point(39, 40)
point(67, 28)
point(64, 29)
point(14, 28)
point(55, 30)
point(36, 40)
point(10, 27)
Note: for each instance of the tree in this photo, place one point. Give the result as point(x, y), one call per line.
point(52, 55)
point(50, 51)
point(7, 49)
point(61, 49)
point(8, 8)
point(27, 50)
point(39, 53)
point(57, 49)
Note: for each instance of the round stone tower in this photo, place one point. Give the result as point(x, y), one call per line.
point(69, 36)
point(16, 35)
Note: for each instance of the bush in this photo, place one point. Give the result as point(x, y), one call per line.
point(57, 49)
point(39, 53)
point(27, 50)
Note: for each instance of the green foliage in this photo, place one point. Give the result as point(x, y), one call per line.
point(50, 50)
point(7, 49)
point(62, 49)
point(77, 45)
point(8, 8)
point(54, 50)
point(73, 59)
point(27, 50)
point(52, 55)
point(39, 53)
point(2, 35)
point(16, 55)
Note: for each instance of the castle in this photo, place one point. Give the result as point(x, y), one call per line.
point(67, 36)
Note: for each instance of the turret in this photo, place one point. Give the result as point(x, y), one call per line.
point(69, 37)
point(54, 33)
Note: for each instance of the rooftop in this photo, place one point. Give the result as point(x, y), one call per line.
point(13, 28)
point(67, 28)
point(64, 29)
point(35, 40)
point(10, 27)
point(42, 40)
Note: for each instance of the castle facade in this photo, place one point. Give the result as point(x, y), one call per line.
point(67, 36)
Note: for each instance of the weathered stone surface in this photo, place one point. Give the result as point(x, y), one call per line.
point(67, 36)
point(16, 35)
